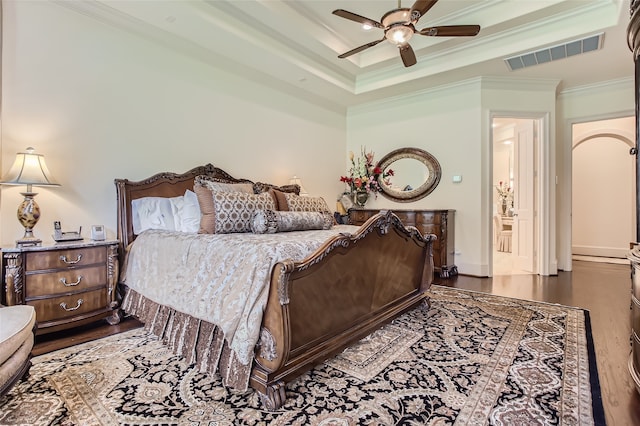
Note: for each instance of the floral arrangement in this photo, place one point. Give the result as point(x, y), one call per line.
point(504, 191)
point(363, 174)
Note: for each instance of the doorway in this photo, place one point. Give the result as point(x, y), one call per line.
point(602, 170)
point(514, 142)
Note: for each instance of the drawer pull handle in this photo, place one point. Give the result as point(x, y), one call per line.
point(63, 305)
point(66, 284)
point(70, 262)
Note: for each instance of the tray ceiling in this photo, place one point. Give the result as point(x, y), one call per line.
point(295, 44)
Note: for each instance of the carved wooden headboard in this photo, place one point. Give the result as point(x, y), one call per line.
point(165, 184)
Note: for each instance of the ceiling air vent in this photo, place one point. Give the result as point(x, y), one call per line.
point(554, 53)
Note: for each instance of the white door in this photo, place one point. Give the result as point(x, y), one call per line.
point(523, 242)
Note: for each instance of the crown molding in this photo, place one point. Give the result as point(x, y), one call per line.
point(402, 100)
point(520, 83)
point(603, 86)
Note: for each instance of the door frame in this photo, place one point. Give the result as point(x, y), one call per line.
point(565, 239)
point(544, 192)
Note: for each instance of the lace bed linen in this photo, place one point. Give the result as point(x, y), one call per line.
point(221, 279)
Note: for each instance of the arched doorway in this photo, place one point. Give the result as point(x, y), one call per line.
point(603, 218)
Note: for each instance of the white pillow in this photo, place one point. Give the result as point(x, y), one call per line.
point(152, 213)
point(186, 212)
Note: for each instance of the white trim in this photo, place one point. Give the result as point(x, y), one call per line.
point(502, 83)
point(600, 251)
point(604, 86)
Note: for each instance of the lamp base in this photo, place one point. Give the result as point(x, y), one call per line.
point(28, 242)
point(28, 215)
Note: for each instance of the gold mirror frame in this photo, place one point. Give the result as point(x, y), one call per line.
point(435, 172)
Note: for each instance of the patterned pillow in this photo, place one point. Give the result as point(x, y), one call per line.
point(260, 187)
point(233, 211)
point(297, 203)
point(270, 221)
point(215, 184)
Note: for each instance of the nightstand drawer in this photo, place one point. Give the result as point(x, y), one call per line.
point(69, 306)
point(67, 281)
point(57, 259)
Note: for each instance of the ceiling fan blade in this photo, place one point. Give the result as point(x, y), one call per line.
point(422, 7)
point(408, 55)
point(357, 18)
point(450, 31)
point(361, 48)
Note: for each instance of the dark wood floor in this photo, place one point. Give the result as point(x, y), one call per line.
point(603, 289)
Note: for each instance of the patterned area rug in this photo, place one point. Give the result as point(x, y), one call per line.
point(472, 358)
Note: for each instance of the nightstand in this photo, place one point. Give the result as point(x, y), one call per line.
point(68, 284)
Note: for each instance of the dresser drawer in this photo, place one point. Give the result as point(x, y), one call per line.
point(428, 218)
point(56, 308)
point(58, 259)
point(407, 218)
point(359, 217)
point(65, 281)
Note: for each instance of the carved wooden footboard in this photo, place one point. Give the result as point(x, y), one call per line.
point(344, 291)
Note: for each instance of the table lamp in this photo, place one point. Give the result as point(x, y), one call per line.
point(295, 180)
point(29, 169)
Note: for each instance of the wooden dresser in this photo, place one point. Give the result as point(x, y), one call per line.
point(68, 284)
point(438, 222)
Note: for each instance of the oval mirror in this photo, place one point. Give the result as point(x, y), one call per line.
point(416, 173)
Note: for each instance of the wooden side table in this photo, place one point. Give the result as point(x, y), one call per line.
point(68, 284)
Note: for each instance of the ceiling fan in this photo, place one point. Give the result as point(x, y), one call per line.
point(399, 26)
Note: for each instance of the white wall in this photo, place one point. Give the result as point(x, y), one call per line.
point(101, 103)
point(446, 123)
point(453, 124)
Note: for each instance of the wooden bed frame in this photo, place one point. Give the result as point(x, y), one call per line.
point(352, 285)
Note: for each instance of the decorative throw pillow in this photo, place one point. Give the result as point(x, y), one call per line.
point(270, 221)
point(260, 187)
point(233, 211)
point(215, 184)
point(296, 203)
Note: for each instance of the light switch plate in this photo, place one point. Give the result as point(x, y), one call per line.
point(457, 178)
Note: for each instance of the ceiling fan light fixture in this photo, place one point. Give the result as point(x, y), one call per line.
point(399, 34)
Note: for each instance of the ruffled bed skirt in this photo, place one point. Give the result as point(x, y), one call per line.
point(199, 342)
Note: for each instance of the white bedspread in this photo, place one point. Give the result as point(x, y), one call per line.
point(222, 279)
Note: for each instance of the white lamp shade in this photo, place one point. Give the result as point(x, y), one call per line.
point(29, 169)
point(295, 180)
